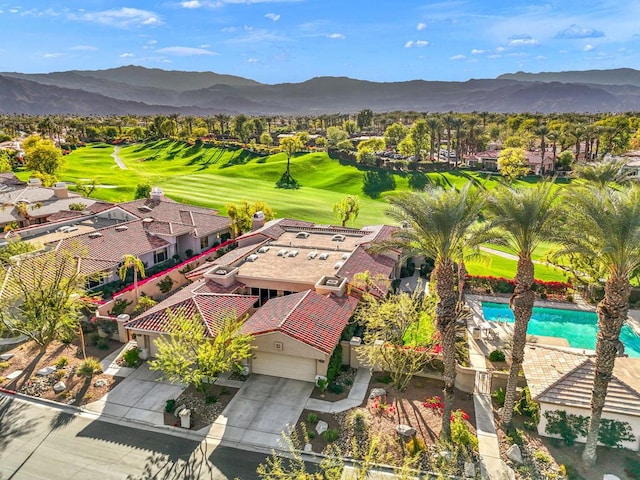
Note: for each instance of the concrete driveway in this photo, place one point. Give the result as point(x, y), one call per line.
point(139, 397)
point(261, 410)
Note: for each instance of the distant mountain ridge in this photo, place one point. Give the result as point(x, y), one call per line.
point(140, 90)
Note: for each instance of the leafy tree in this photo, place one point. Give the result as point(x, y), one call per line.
point(86, 187)
point(266, 139)
point(347, 209)
point(15, 246)
point(350, 126)
point(395, 133)
point(419, 134)
point(5, 161)
point(364, 119)
point(367, 149)
point(241, 215)
point(565, 160)
point(512, 163)
point(608, 222)
point(522, 218)
point(43, 157)
point(440, 225)
point(192, 353)
point(290, 146)
point(388, 324)
point(345, 145)
point(335, 135)
point(40, 296)
point(143, 190)
point(132, 262)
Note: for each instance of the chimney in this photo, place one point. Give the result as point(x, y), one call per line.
point(60, 190)
point(157, 193)
point(257, 221)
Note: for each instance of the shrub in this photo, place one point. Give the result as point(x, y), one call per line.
point(144, 304)
point(541, 457)
point(210, 399)
point(613, 433)
point(571, 473)
point(165, 284)
point(89, 367)
point(131, 357)
point(497, 356)
point(102, 344)
point(59, 374)
point(499, 395)
point(93, 338)
point(119, 306)
point(170, 406)
point(4, 365)
point(526, 406)
point(335, 388)
point(460, 432)
point(415, 445)
point(330, 435)
point(224, 391)
point(567, 425)
point(335, 362)
point(632, 468)
point(322, 384)
point(312, 418)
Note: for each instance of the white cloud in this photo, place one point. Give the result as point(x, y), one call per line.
point(257, 36)
point(336, 36)
point(417, 43)
point(541, 57)
point(185, 51)
point(52, 55)
point(84, 48)
point(273, 16)
point(495, 55)
point(127, 55)
point(152, 42)
point(252, 60)
point(500, 49)
point(458, 57)
point(421, 26)
point(191, 4)
point(522, 40)
point(588, 47)
point(476, 51)
point(122, 17)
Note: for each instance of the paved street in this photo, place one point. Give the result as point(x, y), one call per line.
point(37, 442)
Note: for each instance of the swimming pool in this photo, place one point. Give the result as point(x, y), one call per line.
point(578, 327)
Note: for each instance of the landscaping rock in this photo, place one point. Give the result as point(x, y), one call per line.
point(469, 469)
point(14, 375)
point(405, 430)
point(322, 427)
point(43, 372)
point(7, 356)
point(377, 392)
point(59, 387)
point(610, 476)
point(514, 454)
point(101, 382)
point(308, 448)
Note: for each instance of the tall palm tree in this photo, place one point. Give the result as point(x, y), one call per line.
point(603, 173)
point(608, 222)
point(448, 121)
point(434, 126)
point(522, 218)
point(543, 132)
point(133, 262)
point(439, 226)
point(458, 125)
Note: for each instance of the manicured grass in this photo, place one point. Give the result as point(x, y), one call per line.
point(503, 267)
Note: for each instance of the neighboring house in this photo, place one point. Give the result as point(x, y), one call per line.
point(297, 274)
point(562, 379)
point(488, 160)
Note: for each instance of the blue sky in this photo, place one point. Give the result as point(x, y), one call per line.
point(275, 41)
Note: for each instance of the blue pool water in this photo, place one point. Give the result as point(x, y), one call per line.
point(578, 327)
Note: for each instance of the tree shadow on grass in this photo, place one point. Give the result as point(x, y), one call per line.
point(242, 158)
point(374, 182)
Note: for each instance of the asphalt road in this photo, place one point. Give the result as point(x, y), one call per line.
point(41, 443)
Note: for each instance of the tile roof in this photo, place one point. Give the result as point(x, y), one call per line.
point(361, 261)
point(308, 317)
point(565, 377)
point(178, 216)
point(210, 307)
point(209, 286)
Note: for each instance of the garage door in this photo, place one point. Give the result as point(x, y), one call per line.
point(286, 366)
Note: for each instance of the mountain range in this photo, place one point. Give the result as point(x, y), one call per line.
point(143, 91)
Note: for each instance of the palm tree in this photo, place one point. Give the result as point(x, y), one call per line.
point(434, 126)
point(522, 218)
point(439, 226)
point(543, 132)
point(458, 124)
point(608, 222)
point(131, 261)
point(448, 121)
point(603, 173)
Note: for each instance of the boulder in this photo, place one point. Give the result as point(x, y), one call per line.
point(377, 392)
point(307, 448)
point(322, 427)
point(46, 371)
point(610, 476)
point(59, 387)
point(7, 356)
point(514, 454)
point(469, 469)
point(405, 430)
point(101, 382)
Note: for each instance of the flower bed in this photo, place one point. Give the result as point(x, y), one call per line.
point(497, 285)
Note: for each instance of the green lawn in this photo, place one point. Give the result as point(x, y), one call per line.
point(503, 267)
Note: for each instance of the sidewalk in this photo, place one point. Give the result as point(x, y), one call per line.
point(356, 396)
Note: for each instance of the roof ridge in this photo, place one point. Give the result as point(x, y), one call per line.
point(295, 307)
point(563, 377)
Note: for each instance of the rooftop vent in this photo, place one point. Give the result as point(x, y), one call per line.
point(312, 255)
point(283, 253)
point(332, 282)
point(22, 200)
point(34, 182)
point(145, 208)
point(323, 256)
point(292, 253)
point(221, 271)
point(252, 258)
point(121, 228)
point(337, 265)
point(60, 185)
point(94, 235)
point(338, 238)
point(345, 256)
point(147, 220)
point(302, 235)
point(263, 249)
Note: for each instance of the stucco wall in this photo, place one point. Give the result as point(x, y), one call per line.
point(585, 412)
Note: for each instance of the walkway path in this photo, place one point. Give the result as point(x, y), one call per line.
point(117, 158)
point(356, 395)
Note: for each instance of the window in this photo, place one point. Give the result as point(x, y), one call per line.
point(96, 281)
point(204, 242)
point(160, 256)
